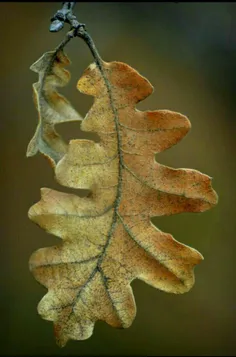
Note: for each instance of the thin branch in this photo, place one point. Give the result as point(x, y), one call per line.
point(62, 16)
point(65, 15)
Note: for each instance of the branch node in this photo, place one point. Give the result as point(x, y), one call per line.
point(65, 15)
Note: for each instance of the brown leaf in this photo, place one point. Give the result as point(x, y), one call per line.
point(108, 239)
point(52, 107)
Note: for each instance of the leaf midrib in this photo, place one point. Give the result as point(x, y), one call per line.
point(115, 205)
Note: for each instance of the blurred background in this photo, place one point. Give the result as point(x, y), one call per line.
point(188, 52)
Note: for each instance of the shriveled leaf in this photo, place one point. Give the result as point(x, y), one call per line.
point(52, 107)
point(108, 239)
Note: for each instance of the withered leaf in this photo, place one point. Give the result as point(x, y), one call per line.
point(108, 239)
point(52, 107)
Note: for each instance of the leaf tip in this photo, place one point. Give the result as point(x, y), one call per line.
point(61, 340)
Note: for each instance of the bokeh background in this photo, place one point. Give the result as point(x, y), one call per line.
point(188, 52)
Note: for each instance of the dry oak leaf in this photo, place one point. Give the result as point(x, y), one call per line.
point(52, 107)
point(108, 239)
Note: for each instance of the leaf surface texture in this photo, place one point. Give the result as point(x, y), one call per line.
point(108, 239)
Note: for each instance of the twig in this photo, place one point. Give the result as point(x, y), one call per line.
point(62, 16)
point(65, 15)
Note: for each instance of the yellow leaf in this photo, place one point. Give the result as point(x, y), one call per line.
point(108, 239)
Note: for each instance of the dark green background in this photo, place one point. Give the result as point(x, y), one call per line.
point(188, 52)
